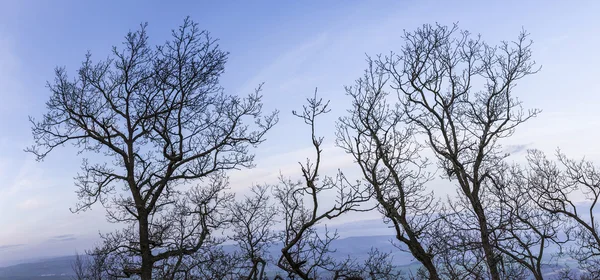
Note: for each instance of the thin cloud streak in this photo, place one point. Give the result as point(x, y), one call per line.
point(7, 247)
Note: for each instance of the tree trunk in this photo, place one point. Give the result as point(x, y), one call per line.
point(490, 257)
point(428, 264)
point(146, 253)
point(425, 259)
point(538, 274)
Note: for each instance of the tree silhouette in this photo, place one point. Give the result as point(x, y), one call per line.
point(165, 132)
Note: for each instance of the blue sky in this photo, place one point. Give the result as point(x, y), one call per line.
point(292, 46)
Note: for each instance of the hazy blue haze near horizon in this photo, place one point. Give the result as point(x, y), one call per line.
point(357, 247)
point(291, 46)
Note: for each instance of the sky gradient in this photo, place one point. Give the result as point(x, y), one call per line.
point(291, 46)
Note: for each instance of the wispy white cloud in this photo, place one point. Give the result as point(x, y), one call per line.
point(10, 246)
point(268, 169)
point(31, 204)
point(285, 64)
point(11, 86)
point(62, 238)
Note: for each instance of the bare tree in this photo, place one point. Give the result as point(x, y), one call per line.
point(192, 219)
point(305, 251)
point(253, 219)
point(210, 262)
point(92, 266)
point(388, 155)
point(459, 259)
point(525, 231)
point(435, 74)
point(99, 264)
point(377, 266)
point(158, 121)
point(521, 231)
point(215, 263)
point(80, 267)
point(571, 189)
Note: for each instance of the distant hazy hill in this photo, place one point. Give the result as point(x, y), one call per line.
point(60, 268)
point(49, 269)
point(357, 247)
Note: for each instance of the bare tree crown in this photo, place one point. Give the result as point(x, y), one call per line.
point(162, 120)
